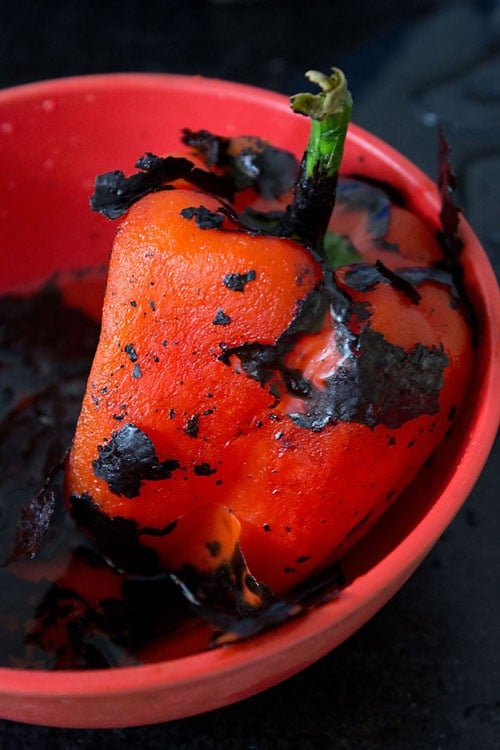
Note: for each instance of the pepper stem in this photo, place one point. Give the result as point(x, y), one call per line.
point(309, 213)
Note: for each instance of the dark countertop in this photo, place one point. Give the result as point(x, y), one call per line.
point(423, 674)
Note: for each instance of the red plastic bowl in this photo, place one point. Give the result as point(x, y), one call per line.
point(55, 137)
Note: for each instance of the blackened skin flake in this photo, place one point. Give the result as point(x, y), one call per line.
point(34, 523)
point(399, 282)
point(248, 160)
point(236, 281)
point(128, 459)
point(264, 362)
point(450, 214)
point(364, 276)
point(114, 193)
point(204, 218)
point(449, 236)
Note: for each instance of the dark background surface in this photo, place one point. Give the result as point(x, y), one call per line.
point(424, 674)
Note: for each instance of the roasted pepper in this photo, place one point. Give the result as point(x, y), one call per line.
point(263, 390)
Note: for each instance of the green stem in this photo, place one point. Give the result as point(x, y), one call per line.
point(308, 215)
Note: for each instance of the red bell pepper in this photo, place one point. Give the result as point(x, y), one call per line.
point(255, 403)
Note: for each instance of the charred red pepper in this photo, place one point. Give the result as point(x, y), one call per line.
point(262, 390)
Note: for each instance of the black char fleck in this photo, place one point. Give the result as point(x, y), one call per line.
point(203, 469)
point(130, 350)
point(214, 548)
point(236, 281)
point(192, 425)
point(221, 319)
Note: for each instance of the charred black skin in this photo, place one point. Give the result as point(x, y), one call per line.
point(114, 193)
point(379, 382)
point(117, 537)
point(406, 385)
point(128, 459)
point(270, 170)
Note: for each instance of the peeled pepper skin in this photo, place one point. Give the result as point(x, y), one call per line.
point(242, 467)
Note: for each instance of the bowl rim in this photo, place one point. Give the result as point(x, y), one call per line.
point(21, 682)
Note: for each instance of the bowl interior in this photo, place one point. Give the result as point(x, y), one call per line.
point(55, 137)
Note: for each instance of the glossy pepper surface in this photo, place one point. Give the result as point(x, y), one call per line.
point(254, 405)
